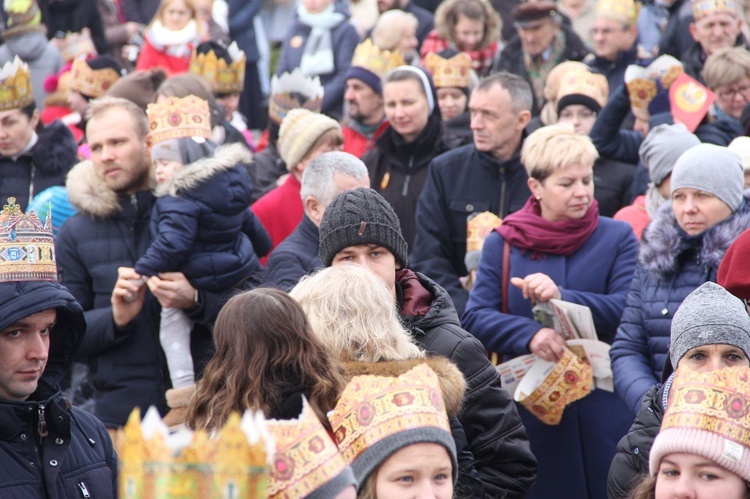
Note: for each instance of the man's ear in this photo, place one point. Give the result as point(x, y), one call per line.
point(524, 117)
point(313, 209)
point(693, 31)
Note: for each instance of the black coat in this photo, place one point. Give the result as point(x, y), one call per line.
point(459, 183)
point(296, 256)
point(496, 436)
point(677, 38)
point(44, 166)
point(615, 70)
point(62, 16)
point(612, 181)
point(76, 455)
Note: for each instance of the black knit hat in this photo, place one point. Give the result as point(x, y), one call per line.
point(360, 216)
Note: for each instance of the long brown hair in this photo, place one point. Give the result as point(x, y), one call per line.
point(265, 351)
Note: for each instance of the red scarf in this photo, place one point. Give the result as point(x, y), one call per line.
point(527, 230)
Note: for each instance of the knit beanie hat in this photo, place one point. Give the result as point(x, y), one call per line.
point(139, 87)
point(734, 271)
point(662, 147)
point(360, 216)
point(22, 16)
point(741, 147)
point(367, 77)
point(298, 133)
point(710, 315)
point(712, 169)
point(166, 149)
point(708, 416)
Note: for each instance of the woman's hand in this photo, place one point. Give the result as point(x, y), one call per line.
point(537, 287)
point(548, 344)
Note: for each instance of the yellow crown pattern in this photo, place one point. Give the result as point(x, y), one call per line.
point(379, 62)
point(27, 246)
point(75, 45)
point(224, 78)
point(702, 8)
point(176, 117)
point(623, 11)
point(582, 82)
point(308, 90)
point(641, 82)
point(92, 82)
point(15, 85)
point(478, 228)
point(234, 464)
point(372, 408)
point(306, 458)
point(453, 72)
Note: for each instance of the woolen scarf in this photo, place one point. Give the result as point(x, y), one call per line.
point(527, 230)
point(177, 43)
point(317, 57)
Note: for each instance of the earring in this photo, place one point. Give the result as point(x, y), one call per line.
point(539, 198)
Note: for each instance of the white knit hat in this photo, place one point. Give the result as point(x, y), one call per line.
point(298, 132)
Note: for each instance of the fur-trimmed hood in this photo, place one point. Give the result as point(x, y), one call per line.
point(662, 240)
point(452, 383)
point(89, 193)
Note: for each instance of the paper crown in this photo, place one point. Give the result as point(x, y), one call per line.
point(76, 45)
point(308, 90)
point(27, 246)
point(21, 15)
point(153, 463)
point(305, 459)
point(369, 56)
point(373, 408)
point(92, 82)
point(15, 85)
point(623, 11)
point(548, 388)
point(478, 228)
point(177, 117)
point(582, 82)
point(702, 8)
point(642, 82)
point(224, 78)
point(453, 72)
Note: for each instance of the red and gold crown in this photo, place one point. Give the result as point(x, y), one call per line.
point(224, 78)
point(92, 82)
point(369, 56)
point(622, 11)
point(373, 408)
point(453, 72)
point(308, 89)
point(478, 228)
point(15, 85)
point(641, 82)
point(582, 82)
point(27, 246)
point(176, 117)
point(306, 458)
point(702, 8)
point(76, 45)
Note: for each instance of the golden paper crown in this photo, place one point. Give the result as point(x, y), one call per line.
point(641, 82)
point(379, 62)
point(224, 78)
point(702, 8)
point(308, 89)
point(92, 82)
point(623, 11)
point(15, 86)
point(27, 246)
point(75, 45)
point(581, 82)
point(453, 72)
point(233, 464)
point(177, 117)
point(478, 228)
point(373, 408)
point(305, 459)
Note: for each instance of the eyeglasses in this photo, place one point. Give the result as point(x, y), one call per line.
point(584, 114)
point(730, 93)
point(604, 31)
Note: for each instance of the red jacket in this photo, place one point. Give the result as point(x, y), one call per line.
point(357, 144)
point(151, 57)
point(280, 210)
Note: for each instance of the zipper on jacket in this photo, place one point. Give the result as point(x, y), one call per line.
point(407, 181)
point(134, 202)
point(502, 192)
point(84, 490)
point(31, 183)
point(42, 426)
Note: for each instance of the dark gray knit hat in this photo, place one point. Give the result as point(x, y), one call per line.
point(360, 216)
point(710, 315)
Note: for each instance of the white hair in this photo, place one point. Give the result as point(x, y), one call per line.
point(317, 179)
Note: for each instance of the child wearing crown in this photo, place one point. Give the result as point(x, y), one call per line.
point(201, 225)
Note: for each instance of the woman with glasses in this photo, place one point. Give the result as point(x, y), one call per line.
point(727, 73)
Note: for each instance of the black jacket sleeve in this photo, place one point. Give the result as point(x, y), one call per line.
point(608, 138)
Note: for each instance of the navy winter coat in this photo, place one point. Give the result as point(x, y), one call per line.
point(573, 457)
point(615, 70)
point(198, 221)
point(671, 266)
point(296, 256)
point(75, 457)
point(459, 183)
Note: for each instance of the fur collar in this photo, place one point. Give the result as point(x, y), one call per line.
point(661, 244)
point(452, 382)
point(190, 176)
point(89, 193)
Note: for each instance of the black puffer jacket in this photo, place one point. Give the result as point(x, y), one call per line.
point(496, 436)
point(44, 166)
point(75, 457)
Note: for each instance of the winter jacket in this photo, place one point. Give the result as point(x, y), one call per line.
point(356, 142)
point(496, 437)
point(139, 11)
point(671, 266)
point(615, 70)
point(63, 16)
point(612, 180)
point(111, 231)
point(281, 210)
point(198, 221)
point(344, 41)
point(694, 58)
point(676, 38)
point(242, 28)
point(459, 183)
point(636, 215)
point(425, 20)
point(265, 169)
point(295, 257)
point(75, 456)
point(576, 453)
point(39, 53)
point(152, 57)
point(459, 128)
point(43, 166)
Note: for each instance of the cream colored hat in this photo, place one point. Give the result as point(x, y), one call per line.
point(298, 132)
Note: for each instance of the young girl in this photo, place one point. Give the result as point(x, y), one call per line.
point(200, 223)
point(170, 38)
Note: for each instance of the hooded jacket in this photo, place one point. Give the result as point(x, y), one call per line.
point(74, 456)
point(496, 437)
point(39, 53)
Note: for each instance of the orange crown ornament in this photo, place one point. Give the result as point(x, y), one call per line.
point(27, 246)
point(224, 78)
point(453, 72)
point(15, 85)
point(292, 91)
point(369, 56)
point(92, 82)
point(176, 118)
point(702, 8)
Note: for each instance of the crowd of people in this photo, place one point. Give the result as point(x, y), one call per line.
point(343, 213)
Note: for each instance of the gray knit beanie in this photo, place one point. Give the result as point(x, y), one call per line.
point(360, 216)
point(710, 315)
point(661, 148)
point(712, 169)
